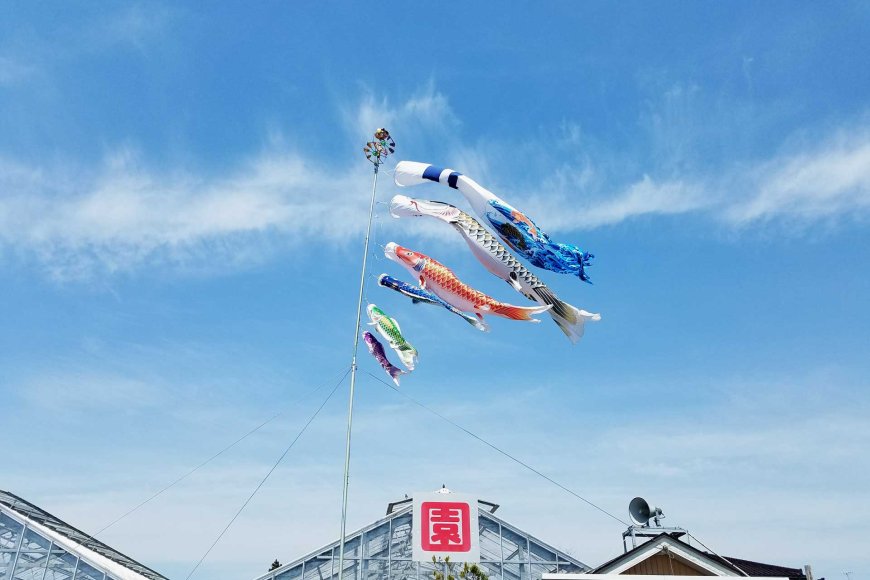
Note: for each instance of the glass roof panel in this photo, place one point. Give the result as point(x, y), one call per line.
point(40, 516)
point(403, 570)
point(61, 564)
point(513, 546)
point(566, 566)
point(515, 572)
point(318, 570)
point(34, 541)
point(376, 570)
point(539, 568)
point(6, 559)
point(492, 569)
point(351, 569)
point(383, 550)
point(377, 541)
point(88, 572)
point(294, 573)
point(490, 544)
point(400, 541)
point(351, 548)
point(539, 553)
point(10, 531)
point(30, 566)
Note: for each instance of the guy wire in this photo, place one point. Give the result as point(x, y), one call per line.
point(274, 467)
point(493, 446)
point(209, 460)
point(532, 469)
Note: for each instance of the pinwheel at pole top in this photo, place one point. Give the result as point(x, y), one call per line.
point(378, 150)
point(503, 235)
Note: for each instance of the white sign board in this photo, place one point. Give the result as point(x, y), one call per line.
point(445, 525)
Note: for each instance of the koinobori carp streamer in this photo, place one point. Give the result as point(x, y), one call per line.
point(516, 229)
point(442, 281)
point(390, 330)
point(420, 296)
point(497, 260)
point(376, 349)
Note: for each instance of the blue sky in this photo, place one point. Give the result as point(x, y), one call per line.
point(181, 215)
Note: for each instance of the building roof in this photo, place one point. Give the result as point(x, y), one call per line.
point(46, 522)
point(383, 549)
point(768, 570)
point(706, 562)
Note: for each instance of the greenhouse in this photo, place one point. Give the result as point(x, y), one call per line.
point(35, 545)
point(384, 550)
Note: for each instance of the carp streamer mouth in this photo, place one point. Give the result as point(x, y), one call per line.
point(390, 251)
point(403, 206)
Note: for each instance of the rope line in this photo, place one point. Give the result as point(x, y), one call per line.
point(494, 447)
point(742, 571)
point(268, 474)
point(207, 461)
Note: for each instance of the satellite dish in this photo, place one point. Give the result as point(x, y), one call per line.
point(640, 512)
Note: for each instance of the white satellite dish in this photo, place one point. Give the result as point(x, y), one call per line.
point(640, 512)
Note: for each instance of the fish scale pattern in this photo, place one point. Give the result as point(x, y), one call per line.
point(498, 260)
point(418, 295)
point(439, 275)
point(540, 292)
point(487, 240)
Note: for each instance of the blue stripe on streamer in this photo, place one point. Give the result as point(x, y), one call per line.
point(451, 179)
point(432, 173)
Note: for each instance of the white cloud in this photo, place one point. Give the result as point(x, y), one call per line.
point(830, 180)
point(643, 197)
point(422, 122)
point(125, 215)
point(825, 181)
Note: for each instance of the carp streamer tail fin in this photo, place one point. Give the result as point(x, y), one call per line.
point(519, 312)
point(395, 372)
point(408, 356)
point(570, 319)
point(585, 260)
point(476, 323)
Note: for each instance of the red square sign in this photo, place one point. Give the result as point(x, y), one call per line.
point(445, 526)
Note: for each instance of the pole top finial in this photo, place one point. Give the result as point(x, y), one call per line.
point(378, 150)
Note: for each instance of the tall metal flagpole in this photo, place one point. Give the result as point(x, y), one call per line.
point(376, 151)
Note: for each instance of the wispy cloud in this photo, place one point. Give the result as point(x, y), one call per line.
point(829, 180)
point(125, 215)
point(420, 122)
point(644, 197)
point(428, 109)
point(821, 182)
